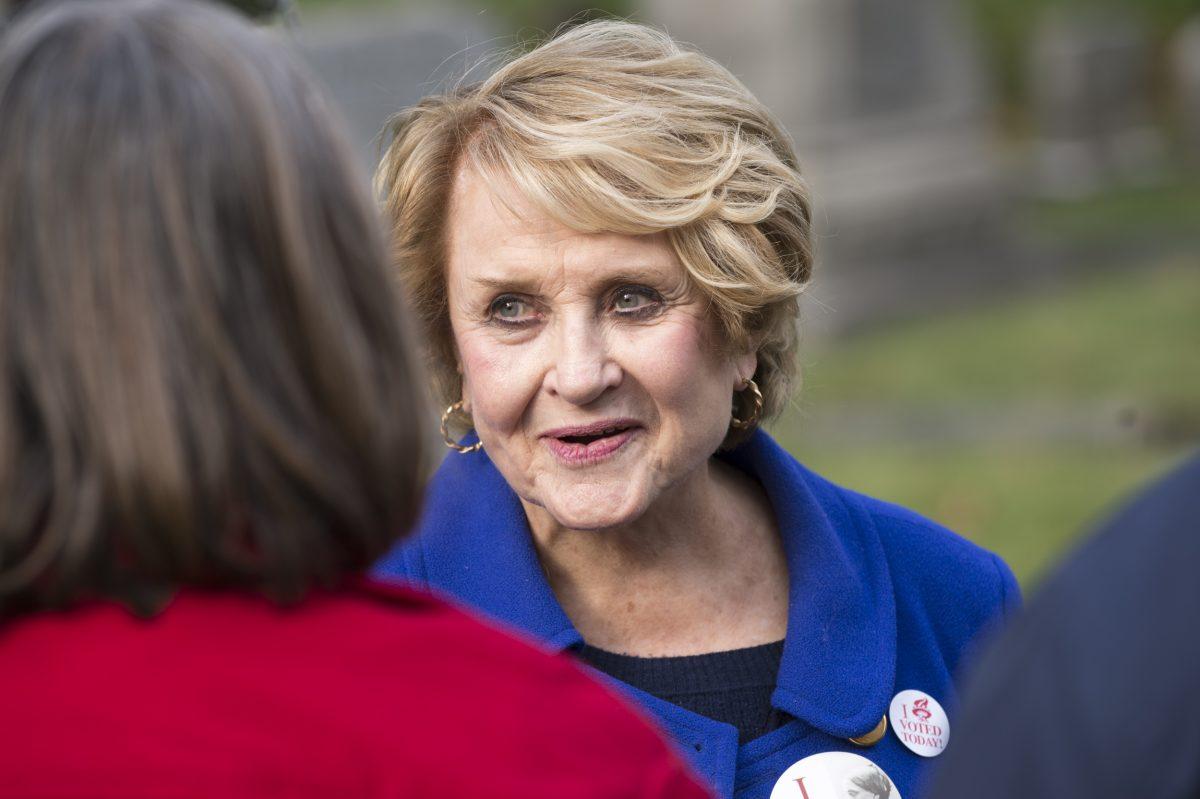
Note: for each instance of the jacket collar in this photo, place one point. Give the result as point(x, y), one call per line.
point(839, 659)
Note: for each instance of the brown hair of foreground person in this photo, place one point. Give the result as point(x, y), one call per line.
point(204, 379)
point(614, 127)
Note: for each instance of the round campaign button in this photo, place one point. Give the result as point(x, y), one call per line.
point(920, 723)
point(834, 775)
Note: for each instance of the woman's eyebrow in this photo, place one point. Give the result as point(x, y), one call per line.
point(639, 274)
point(523, 284)
point(532, 283)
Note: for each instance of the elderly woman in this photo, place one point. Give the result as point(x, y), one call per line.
point(606, 241)
point(208, 431)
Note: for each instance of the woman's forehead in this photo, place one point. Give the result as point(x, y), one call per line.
point(495, 235)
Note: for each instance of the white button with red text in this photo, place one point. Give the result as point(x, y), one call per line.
point(834, 775)
point(920, 723)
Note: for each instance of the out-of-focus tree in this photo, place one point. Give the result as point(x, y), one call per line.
point(1007, 28)
point(535, 17)
point(259, 9)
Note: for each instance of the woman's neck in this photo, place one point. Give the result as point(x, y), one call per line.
point(702, 570)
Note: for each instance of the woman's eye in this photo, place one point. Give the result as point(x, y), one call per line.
point(511, 309)
point(628, 300)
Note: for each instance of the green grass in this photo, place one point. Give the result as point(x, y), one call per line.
point(1027, 504)
point(1134, 336)
point(1130, 335)
point(1167, 209)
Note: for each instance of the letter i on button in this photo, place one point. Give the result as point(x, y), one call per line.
point(920, 723)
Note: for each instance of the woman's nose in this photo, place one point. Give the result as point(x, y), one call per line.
point(583, 369)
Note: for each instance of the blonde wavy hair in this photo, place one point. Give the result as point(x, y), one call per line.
point(612, 126)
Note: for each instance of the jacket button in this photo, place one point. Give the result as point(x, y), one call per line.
point(871, 738)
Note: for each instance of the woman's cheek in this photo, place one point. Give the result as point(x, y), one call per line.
point(673, 356)
point(498, 382)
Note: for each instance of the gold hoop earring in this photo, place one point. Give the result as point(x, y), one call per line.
point(746, 424)
point(450, 442)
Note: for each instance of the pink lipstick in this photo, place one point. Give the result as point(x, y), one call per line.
point(586, 445)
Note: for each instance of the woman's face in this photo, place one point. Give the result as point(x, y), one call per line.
point(869, 783)
point(853, 791)
point(596, 381)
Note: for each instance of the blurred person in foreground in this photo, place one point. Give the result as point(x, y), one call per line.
point(207, 430)
point(1095, 691)
point(606, 241)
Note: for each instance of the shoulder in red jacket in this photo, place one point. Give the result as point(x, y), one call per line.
point(375, 691)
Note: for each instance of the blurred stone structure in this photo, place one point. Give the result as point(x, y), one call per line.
point(375, 63)
point(891, 119)
point(1090, 78)
point(1185, 69)
point(8, 8)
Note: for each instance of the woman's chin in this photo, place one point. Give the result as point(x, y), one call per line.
point(592, 519)
point(592, 508)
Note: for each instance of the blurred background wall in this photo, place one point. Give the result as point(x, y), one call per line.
point(1004, 332)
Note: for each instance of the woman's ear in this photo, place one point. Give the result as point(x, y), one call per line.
point(464, 396)
point(745, 365)
point(462, 382)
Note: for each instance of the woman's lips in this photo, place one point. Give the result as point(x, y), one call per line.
point(590, 444)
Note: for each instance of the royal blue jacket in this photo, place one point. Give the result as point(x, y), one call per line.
point(880, 600)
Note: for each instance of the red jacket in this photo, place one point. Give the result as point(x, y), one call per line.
point(369, 692)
